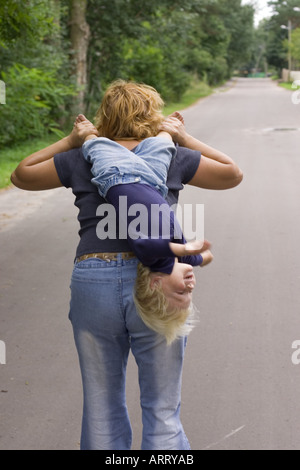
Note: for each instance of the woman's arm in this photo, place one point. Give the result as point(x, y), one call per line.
point(216, 170)
point(37, 171)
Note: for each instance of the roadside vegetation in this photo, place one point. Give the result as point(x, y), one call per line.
point(58, 56)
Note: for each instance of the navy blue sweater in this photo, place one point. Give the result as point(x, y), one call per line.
point(151, 224)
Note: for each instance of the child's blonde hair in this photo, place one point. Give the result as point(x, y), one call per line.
point(129, 111)
point(152, 307)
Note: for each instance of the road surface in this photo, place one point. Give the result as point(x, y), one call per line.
point(240, 387)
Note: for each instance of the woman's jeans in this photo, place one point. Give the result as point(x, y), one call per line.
point(106, 326)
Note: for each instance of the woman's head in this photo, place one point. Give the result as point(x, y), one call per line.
point(129, 111)
point(165, 302)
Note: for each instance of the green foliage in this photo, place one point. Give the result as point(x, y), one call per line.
point(295, 45)
point(34, 104)
point(11, 156)
point(165, 43)
point(195, 92)
point(34, 64)
point(22, 20)
point(284, 11)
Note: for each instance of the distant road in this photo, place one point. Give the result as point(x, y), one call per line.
point(240, 388)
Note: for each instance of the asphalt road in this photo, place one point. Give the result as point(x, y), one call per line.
point(240, 387)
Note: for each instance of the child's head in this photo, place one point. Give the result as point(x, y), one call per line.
point(164, 302)
point(129, 111)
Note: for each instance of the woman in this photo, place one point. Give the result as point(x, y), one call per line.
point(102, 311)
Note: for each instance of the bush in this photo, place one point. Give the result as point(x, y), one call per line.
point(34, 104)
point(144, 61)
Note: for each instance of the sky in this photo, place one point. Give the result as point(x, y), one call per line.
point(262, 9)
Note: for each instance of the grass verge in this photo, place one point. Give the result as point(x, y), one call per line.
point(287, 85)
point(196, 91)
point(11, 157)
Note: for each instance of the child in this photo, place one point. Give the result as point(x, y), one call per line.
point(164, 286)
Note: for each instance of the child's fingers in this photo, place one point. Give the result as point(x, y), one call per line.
point(177, 115)
point(80, 118)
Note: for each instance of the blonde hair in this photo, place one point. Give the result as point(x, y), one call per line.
point(152, 306)
point(129, 111)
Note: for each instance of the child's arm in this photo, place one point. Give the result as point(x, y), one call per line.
point(154, 248)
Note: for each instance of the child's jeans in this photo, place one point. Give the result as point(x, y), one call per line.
point(113, 164)
point(106, 325)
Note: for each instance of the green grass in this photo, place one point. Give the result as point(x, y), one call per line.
point(10, 157)
point(196, 91)
point(287, 85)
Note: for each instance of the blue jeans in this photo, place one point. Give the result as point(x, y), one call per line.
point(113, 164)
point(106, 325)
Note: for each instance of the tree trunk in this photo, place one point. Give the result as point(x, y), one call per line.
point(80, 34)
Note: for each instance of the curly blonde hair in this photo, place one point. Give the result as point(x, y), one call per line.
point(129, 111)
point(152, 307)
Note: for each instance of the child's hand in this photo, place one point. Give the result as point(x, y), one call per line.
point(178, 116)
point(82, 128)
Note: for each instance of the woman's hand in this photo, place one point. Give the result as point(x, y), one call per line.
point(82, 128)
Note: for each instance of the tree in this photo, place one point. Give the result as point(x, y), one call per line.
point(295, 46)
point(33, 68)
point(80, 35)
point(285, 11)
point(89, 43)
point(239, 22)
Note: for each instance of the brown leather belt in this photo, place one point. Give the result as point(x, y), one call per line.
point(106, 256)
